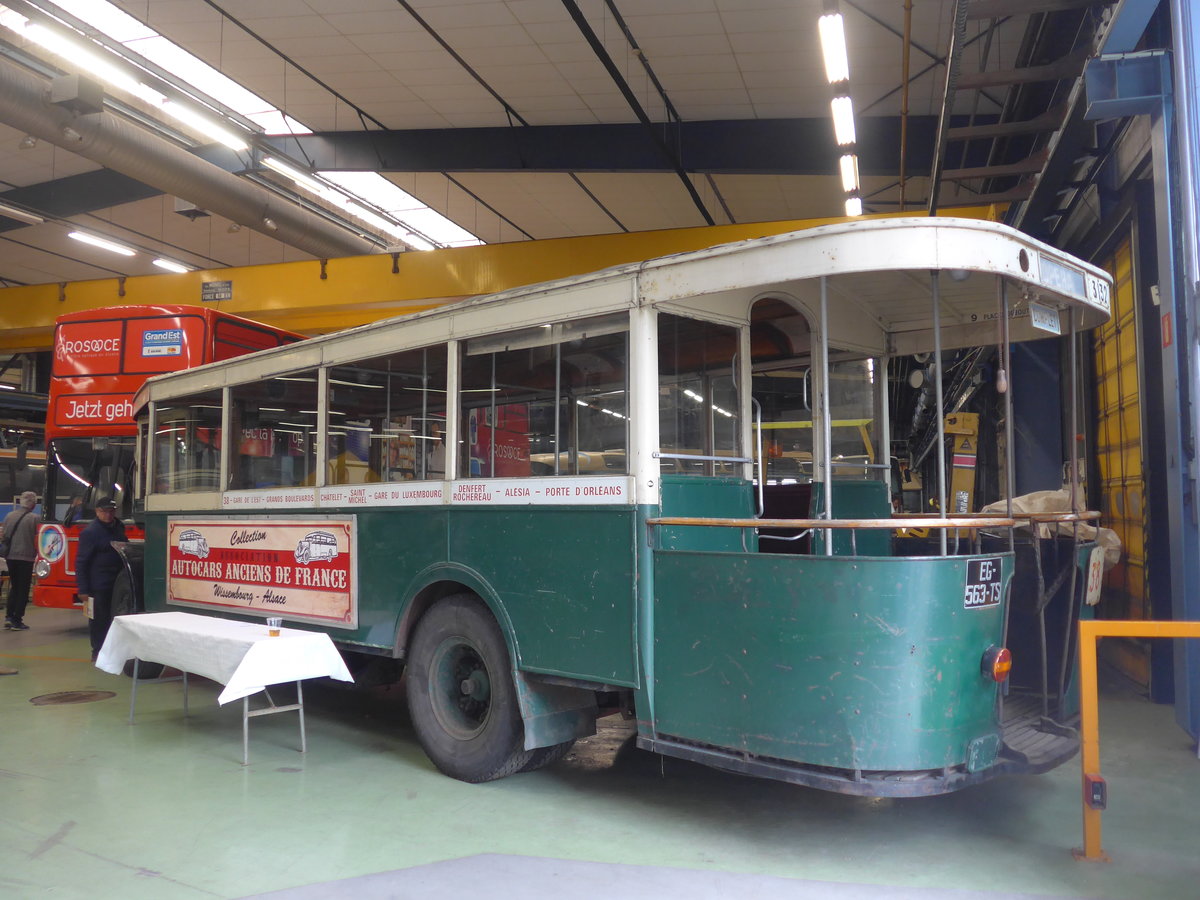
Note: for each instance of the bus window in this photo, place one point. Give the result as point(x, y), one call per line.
point(787, 438)
point(21, 469)
point(92, 468)
point(852, 397)
point(276, 424)
point(698, 402)
point(386, 418)
point(187, 445)
point(549, 400)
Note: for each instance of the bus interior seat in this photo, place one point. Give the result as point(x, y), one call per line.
point(851, 500)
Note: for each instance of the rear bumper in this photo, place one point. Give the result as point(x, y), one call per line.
point(56, 597)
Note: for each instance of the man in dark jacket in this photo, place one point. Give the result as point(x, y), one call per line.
point(97, 565)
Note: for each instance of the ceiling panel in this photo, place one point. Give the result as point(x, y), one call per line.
point(548, 205)
point(366, 64)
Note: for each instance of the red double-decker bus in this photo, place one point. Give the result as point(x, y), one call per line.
point(101, 358)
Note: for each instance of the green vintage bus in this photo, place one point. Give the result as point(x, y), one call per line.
point(552, 503)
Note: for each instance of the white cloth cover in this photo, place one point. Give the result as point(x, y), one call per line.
point(240, 655)
point(1060, 501)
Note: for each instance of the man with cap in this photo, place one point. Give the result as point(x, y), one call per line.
point(97, 566)
point(20, 530)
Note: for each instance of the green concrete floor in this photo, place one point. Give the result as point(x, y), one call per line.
point(93, 807)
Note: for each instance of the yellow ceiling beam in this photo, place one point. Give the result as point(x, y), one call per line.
point(315, 296)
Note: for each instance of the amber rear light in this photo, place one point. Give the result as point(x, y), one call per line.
point(996, 664)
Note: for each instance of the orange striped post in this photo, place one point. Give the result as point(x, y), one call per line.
point(1094, 799)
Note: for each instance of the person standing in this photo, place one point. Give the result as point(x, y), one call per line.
point(97, 565)
point(19, 531)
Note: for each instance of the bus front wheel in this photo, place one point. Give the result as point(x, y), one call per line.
point(461, 694)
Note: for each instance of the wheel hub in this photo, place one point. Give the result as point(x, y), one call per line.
point(460, 688)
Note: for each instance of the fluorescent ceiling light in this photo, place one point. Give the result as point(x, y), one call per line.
point(421, 227)
point(843, 120)
point(116, 24)
point(171, 266)
point(20, 215)
point(833, 48)
point(101, 243)
point(94, 62)
point(414, 215)
point(853, 206)
point(419, 243)
point(205, 125)
point(81, 56)
point(293, 173)
point(849, 167)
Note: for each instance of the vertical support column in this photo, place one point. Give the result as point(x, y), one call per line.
point(826, 445)
point(453, 436)
point(322, 435)
point(1076, 501)
point(1089, 736)
point(644, 442)
point(228, 447)
point(940, 407)
point(643, 405)
point(1004, 384)
point(1179, 266)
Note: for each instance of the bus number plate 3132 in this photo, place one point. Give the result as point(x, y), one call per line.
point(983, 583)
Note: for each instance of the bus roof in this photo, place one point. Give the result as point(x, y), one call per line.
point(871, 309)
point(161, 309)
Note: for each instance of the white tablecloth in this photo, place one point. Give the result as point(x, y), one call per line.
point(239, 655)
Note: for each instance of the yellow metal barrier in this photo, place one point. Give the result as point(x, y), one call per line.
point(317, 296)
point(1094, 790)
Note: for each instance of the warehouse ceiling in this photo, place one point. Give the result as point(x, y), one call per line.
point(509, 120)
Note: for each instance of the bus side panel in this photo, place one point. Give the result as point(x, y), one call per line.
point(393, 546)
point(566, 580)
point(865, 663)
point(701, 496)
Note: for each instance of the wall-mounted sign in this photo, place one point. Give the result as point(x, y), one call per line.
point(216, 290)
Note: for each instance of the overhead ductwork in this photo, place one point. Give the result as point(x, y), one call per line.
point(132, 150)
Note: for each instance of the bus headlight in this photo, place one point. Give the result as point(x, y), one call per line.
point(996, 663)
point(41, 568)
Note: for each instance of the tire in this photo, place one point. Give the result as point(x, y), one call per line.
point(125, 603)
point(124, 600)
point(544, 756)
point(461, 694)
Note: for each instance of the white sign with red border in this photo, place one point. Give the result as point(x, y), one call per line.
point(298, 569)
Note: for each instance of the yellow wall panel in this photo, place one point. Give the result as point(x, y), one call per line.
point(1119, 456)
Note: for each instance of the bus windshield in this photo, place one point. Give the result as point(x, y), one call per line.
point(89, 470)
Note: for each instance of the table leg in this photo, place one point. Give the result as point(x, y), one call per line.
point(185, 695)
point(133, 690)
point(300, 709)
point(245, 731)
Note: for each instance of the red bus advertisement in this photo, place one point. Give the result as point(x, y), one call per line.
point(101, 358)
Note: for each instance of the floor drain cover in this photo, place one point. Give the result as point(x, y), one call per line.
point(71, 697)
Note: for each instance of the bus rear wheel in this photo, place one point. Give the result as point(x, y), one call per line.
point(461, 694)
point(545, 756)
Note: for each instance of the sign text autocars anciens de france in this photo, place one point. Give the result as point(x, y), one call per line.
point(301, 569)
